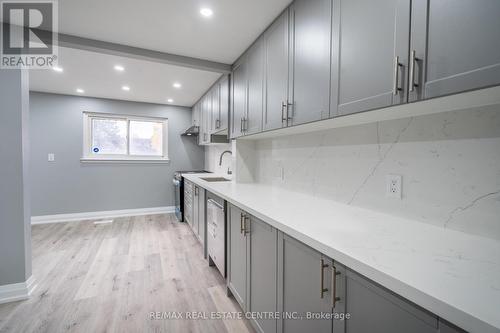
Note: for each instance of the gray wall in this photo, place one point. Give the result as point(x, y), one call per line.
point(15, 231)
point(69, 186)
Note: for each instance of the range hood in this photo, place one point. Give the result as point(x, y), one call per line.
point(192, 131)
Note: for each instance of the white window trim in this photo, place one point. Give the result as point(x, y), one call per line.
point(89, 157)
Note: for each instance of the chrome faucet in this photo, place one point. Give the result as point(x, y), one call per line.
point(220, 160)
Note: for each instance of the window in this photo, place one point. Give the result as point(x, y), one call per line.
point(118, 138)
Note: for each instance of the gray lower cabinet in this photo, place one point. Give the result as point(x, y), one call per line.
point(199, 213)
point(455, 46)
point(311, 45)
point(375, 309)
point(255, 89)
point(373, 56)
point(188, 202)
point(237, 253)
point(305, 276)
point(276, 43)
point(263, 272)
point(252, 271)
point(239, 101)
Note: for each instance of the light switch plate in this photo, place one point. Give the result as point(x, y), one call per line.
point(394, 186)
point(51, 157)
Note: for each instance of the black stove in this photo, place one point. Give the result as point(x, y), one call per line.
point(179, 191)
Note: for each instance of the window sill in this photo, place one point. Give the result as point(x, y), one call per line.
point(125, 160)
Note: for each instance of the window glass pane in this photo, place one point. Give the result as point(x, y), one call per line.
point(146, 138)
point(109, 136)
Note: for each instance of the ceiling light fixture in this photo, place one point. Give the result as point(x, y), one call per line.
point(58, 69)
point(170, 100)
point(80, 91)
point(207, 12)
point(126, 88)
point(119, 68)
point(177, 85)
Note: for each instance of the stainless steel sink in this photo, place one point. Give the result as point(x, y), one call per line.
point(215, 179)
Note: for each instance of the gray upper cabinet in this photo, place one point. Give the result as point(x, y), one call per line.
point(239, 101)
point(375, 309)
point(237, 252)
point(214, 96)
point(306, 286)
point(255, 77)
point(263, 272)
point(311, 45)
point(276, 43)
point(373, 55)
point(223, 103)
point(463, 46)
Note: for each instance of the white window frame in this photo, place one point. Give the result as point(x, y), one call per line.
point(90, 156)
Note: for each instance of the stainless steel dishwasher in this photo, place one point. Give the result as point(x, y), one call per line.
point(216, 231)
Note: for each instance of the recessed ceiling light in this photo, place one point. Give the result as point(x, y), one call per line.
point(207, 12)
point(126, 88)
point(177, 85)
point(58, 69)
point(80, 91)
point(119, 68)
point(170, 100)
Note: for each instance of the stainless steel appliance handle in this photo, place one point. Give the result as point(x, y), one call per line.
point(212, 201)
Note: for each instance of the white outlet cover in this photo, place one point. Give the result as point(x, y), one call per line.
point(51, 157)
point(394, 185)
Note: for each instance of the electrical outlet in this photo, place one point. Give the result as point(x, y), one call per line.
point(51, 157)
point(394, 186)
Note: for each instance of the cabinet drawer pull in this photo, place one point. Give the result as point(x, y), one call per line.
point(413, 60)
point(289, 111)
point(335, 299)
point(283, 116)
point(246, 229)
point(241, 125)
point(323, 289)
point(397, 64)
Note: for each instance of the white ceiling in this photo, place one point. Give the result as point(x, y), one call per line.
point(172, 26)
point(148, 81)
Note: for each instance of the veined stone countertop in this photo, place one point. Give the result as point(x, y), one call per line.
point(452, 274)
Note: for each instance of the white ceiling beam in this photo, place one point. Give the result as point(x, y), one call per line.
point(121, 50)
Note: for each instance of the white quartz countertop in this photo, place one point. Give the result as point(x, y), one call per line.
point(450, 273)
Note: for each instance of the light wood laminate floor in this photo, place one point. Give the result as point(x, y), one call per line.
point(109, 277)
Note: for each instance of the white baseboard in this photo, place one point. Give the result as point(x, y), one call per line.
point(59, 218)
point(17, 291)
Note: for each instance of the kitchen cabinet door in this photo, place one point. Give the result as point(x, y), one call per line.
point(456, 44)
point(224, 103)
point(239, 102)
point(373, 55)
point(311, 38)
point(305, 287)
point(255, 77)
point(206, 109)
point(237, 270)
point(196, 213)
point(276, 41)
point(195, 117)
point(215, 112)
point(263, 272)
point(201, 218)
point(375, 309)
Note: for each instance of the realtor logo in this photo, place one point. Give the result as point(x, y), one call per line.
point(29, 34)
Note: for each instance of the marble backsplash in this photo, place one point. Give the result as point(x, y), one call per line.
point(450, 164)
point(212, 158)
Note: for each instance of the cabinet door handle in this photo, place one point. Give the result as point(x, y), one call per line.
point(323, 289)
point(283, 116)
point(246, 230)
point(289, 114)
point(241, 223)
point(241, 125)
point(335, 299)
point(413, 60)
point(217, 123)
point(397, 64)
